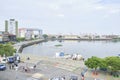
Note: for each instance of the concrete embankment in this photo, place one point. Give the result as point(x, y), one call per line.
point(22, 45)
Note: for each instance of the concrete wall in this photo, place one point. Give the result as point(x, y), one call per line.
point(28, 44)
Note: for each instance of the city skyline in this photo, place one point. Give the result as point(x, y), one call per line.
point(63, 16)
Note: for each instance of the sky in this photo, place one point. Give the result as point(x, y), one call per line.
point(64, 16)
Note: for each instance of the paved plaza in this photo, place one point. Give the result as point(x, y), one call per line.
point(52, 67)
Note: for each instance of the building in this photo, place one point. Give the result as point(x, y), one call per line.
point(11, 26)
point(22, 32)
point(70, 37)
point(29, 33)
point(4, 36)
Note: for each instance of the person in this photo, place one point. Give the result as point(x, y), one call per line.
point(25, 68)
point(12, 66)
point(82, 74)
point(16, 68)
point(9, 66)
point(83, 59)
point(34, 67)
point(28, 58)
point(16, 63)
point(63, 77)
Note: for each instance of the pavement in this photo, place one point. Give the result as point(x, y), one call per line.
point(52, 67)
point(68, 65)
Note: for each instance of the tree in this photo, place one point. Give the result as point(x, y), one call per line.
point(109, 63)
point(113, 63)
point(103, 65)
point(45, 36)
point(93, 63)
point(60, 37)
point(7, 49)
point(20, 39)
point(2, 51)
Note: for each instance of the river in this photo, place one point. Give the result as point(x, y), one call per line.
point(85, 48)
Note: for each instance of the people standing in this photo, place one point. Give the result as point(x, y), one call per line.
point(9, 66)
point(34, 67)
point(82, 74)
point(12, 65)
point(28, 58)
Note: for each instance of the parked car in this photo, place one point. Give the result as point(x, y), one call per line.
point(73, 78)
point(2, 67)
point(17, 58)
point(57, 78)
point(11, 59)
point(103, 69)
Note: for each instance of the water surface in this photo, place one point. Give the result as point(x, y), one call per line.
point(85, 48)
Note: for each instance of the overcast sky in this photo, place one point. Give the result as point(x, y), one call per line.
point(64, 16)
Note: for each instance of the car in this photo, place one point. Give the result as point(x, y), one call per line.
point(11, 59)
point(33, 79)
point(2, 67)
point(17, 58)
point(73, 78)
point(57, 78)
point(103, 69)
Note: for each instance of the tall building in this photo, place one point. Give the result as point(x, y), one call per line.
point(11, 26)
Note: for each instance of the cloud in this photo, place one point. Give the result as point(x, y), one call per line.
point(61, 15)
point(111, 12)
point(114, 11)
point(54, 7)
point(109, 1)
point(108, 9)
point(82, 13)
point(99, 7)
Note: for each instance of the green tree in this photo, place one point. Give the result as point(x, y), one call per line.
point(2, 51)
point(93, 63)
point(20, 39)
point(60, 37)
point(113, 63)
point(53, 37)
point(103, 63)
point(7, 49)
point(45, 36)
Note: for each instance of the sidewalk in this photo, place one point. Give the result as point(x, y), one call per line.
point(69, 65)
